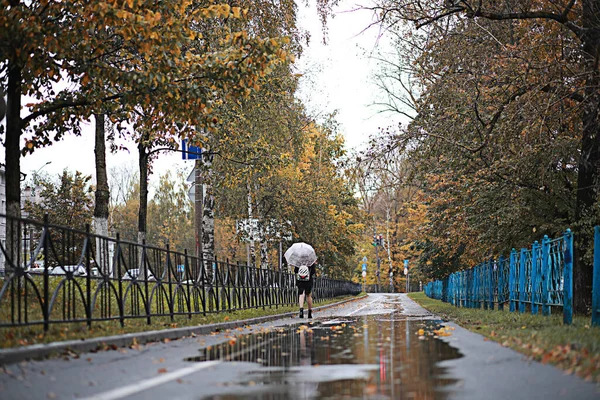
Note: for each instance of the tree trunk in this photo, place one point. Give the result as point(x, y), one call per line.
point(208, 214)
point(589, 162)
point(13, 160)
point(102, 196)
point(264, 253)
point(251, 248)
point(143, 210)
point(198, 200)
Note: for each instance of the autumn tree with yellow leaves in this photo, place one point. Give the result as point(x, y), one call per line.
point(160, 72)
point(317, 198)
point(503, 102)
point(173, 60)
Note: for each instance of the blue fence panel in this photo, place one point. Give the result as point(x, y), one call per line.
point(555, 272)
point(529, 279)
point(522, 290)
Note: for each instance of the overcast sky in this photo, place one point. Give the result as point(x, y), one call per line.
point(337, 76)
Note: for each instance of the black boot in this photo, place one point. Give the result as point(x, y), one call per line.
point(309, 313)
point(302, 313)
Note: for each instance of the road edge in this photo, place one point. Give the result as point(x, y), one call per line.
point(47, 350)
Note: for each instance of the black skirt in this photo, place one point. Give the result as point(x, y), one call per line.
point(304, 287)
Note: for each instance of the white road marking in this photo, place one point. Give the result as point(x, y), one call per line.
point(138, 387)
point(363, 307)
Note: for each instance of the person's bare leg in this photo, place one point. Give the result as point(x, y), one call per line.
point(309, 302)
point(301, 304)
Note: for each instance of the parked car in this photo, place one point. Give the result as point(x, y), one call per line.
point(38, 270)
point(36, 267)
point(134, 273)
point(77, 270)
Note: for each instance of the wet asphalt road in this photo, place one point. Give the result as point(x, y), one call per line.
point(381, 347)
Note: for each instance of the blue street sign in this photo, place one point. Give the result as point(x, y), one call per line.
point(364, 267)
point(180, 268)
point(190, 152)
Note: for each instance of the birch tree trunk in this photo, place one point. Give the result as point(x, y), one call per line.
point(251, 248)
point(264, 253)
point(208, 215)
point(102, 194)
point(198, 200)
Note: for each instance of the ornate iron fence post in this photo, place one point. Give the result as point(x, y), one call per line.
point(512, 280)
point(500, 283)
point(568, 278)
point(522, 280)
point(491, 283)
point(454, 277)
point(545, 274)
point(459, 288)
point(463, 289)
point(117, 264)
point(596, 279)
point(88, 276)
point(534, 276)
point(482, 273)
point(471, 288)
point(170, 274)
point(480, 285)
point(189, 281)
point(45, 308)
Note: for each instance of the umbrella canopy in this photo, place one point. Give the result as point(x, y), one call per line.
point(300, 254)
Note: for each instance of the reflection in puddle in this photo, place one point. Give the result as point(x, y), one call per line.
point(374, 357)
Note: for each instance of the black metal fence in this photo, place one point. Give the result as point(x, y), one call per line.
point(53, 274)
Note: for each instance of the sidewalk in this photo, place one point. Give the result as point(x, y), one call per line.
point(487, 370)
point(40, 351)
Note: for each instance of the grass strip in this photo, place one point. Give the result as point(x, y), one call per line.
point(28, 335)
point(573, 348)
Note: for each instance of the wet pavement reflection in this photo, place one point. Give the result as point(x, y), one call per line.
point(369, 357)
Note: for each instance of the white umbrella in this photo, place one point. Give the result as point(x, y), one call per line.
point(300, 254)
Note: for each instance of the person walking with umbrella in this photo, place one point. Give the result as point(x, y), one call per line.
point(303, 258)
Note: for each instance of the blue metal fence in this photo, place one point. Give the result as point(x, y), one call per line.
point(534, 279)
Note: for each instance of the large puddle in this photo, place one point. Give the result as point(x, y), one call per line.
point(371, 357)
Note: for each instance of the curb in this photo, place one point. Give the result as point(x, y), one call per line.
point(46, 350)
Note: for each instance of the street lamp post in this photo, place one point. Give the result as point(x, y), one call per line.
point(32, 192)
point(37, 171)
